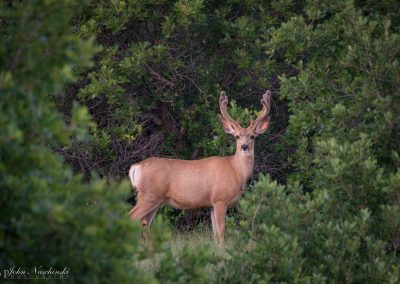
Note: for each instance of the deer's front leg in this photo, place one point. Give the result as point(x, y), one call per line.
point(219, 210)
point(214, 224)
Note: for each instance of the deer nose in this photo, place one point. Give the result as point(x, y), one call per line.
point(245, 147)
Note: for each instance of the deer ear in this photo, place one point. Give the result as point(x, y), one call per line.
point(262, 126)
point(227, 126)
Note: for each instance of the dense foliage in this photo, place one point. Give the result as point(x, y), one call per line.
point(49, 218)
point(154, 87)
point(90, 87)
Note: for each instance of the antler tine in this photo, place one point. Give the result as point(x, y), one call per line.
point(223, 102)
point(265, 110)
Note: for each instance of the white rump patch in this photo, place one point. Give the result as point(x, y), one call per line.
point(134, 174)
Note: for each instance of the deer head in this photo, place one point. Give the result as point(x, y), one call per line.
point(245, 136)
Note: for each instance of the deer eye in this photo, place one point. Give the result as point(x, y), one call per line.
point(251, 136)
point(237, 136)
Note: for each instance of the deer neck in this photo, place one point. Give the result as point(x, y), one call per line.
point(243, 163)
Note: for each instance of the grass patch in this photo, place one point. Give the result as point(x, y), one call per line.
point(177, 242)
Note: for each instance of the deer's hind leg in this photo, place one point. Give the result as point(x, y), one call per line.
point(144, 211)
point(148, 218)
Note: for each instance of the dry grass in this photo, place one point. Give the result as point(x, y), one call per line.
point(178, 241)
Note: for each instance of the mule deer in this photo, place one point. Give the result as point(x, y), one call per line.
point(215, 182)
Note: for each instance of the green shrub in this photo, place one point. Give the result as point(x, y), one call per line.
point(50, 219)
point(287, 236)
